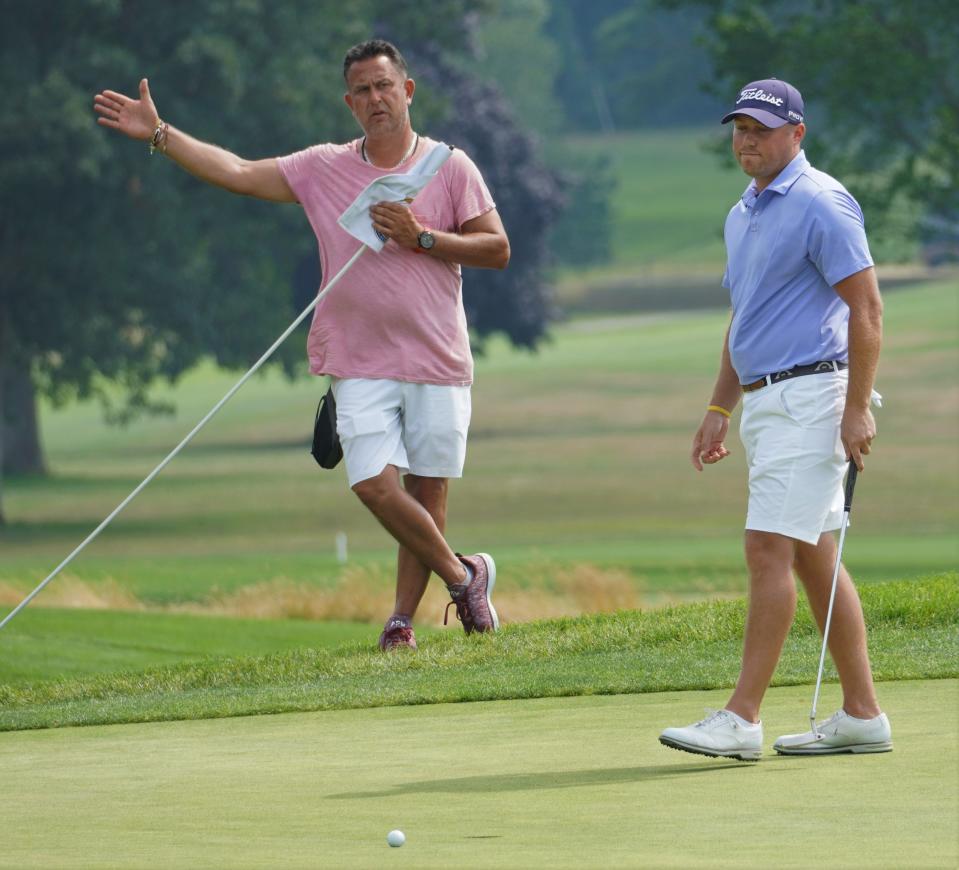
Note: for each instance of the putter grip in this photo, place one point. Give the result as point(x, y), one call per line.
point(850, 484)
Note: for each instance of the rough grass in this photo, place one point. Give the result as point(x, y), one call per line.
point(913, 635)
point(363, 594)
point(72, 592)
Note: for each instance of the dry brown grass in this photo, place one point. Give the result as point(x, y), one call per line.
point(70, 591)
point(360, 595)
point(365, 594)
point(568, 591)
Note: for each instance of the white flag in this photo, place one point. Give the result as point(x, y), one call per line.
point(356, 219)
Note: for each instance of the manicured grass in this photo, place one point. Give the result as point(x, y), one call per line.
point(559, 782)
point(913, 635)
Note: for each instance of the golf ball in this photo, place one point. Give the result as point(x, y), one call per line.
point(396, 838)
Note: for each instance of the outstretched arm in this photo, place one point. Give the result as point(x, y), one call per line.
point(139, 119)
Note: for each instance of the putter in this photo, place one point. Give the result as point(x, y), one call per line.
point(847, 507)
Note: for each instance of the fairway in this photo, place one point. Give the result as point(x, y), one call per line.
point(566, 782)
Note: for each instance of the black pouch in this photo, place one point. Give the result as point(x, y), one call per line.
point(326, 450)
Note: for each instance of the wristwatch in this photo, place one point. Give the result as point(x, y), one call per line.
point(426, 240)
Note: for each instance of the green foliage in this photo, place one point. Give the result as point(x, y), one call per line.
point(122, 268)
point(689, 647)
point(881, 86)
point(515, 52)
point(525, 62)
point(629, 64)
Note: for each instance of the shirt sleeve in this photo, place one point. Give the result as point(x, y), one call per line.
point(468, 191)
point(298, 168)
point(836, 242)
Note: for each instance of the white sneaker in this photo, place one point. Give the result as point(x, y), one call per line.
point(839, 733)
point(721, 733)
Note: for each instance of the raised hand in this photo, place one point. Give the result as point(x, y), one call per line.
point(137, 119)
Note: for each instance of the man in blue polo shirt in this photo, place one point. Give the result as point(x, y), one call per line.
point(801, 350)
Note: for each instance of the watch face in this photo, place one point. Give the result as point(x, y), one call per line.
point(426, 239)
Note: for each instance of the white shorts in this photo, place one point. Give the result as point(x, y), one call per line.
point(795, 455)
point(419, 428)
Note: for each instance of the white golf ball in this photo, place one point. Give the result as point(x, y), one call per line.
point(396, 838)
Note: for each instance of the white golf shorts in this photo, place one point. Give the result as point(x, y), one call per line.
point(795, 455)
point(419, 428)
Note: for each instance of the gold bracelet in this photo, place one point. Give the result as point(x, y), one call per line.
point(719, 410)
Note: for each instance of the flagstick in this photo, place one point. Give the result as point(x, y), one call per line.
point(188, 438)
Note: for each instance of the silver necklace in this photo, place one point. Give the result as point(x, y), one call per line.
point(416, 141)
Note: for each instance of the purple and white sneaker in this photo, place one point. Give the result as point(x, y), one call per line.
point(473, 600)
point(397, 633)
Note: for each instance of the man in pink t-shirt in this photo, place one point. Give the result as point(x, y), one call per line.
point(392, 333)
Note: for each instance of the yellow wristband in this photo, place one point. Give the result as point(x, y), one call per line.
point(719, 410)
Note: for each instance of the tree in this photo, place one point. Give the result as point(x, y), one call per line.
point(514, 48)
point(628, 64)
point(881, 86)
point(120, 269)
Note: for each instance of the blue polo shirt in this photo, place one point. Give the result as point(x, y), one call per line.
point(785, 249)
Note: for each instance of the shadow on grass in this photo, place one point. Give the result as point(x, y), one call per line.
point(548, 780)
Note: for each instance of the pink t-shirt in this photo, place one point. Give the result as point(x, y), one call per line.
point(394, 314)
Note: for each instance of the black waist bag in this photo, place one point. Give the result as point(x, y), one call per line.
point(326, 450)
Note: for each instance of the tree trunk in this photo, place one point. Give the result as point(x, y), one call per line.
point(20, 437)
point(2, 427)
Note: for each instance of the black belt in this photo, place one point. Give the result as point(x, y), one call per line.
point(815, 368)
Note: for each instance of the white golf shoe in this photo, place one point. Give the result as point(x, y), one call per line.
point(720, 734)
point(839, 733)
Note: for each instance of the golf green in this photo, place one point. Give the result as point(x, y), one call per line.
point(563, 782)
